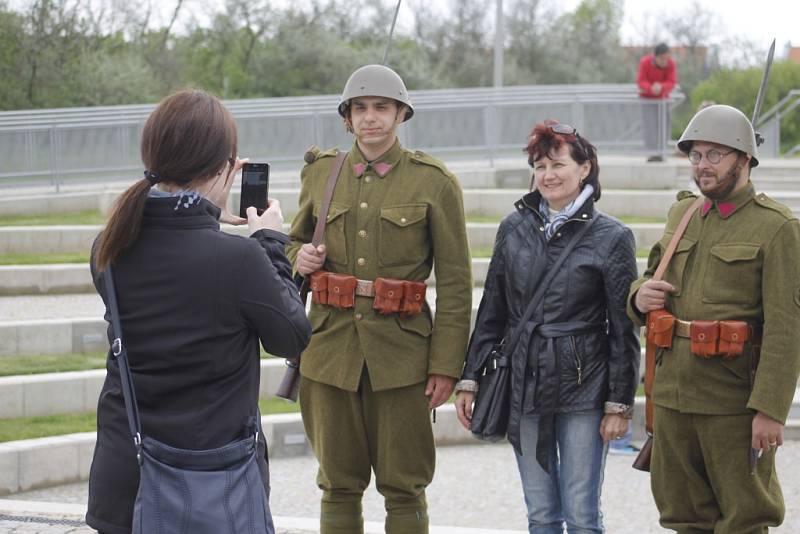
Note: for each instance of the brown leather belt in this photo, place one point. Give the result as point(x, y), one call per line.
point(390, 295)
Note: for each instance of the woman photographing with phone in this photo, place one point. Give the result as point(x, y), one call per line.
point(194, 304)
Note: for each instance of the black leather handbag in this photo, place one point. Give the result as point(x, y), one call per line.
point(216, 491)
point(493, 401)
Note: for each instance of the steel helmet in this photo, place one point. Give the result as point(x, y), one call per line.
point(724, 125)
point(375, 80)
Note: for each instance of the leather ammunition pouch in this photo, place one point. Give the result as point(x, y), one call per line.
point(341, 290)
point(704, 336)
point(732, 337)
point(660, 328)
point(319, 287)
point(398, 296)
point(388, 296)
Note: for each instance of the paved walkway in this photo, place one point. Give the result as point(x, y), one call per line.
point(476, 490)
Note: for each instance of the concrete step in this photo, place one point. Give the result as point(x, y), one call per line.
point(44, 462)
point(79, 238)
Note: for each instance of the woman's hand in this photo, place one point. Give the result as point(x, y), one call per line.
point(464, 400)
point(226, 216)
point(271, 219)
point(613, 426)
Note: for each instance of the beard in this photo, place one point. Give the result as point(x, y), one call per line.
point(723, 187)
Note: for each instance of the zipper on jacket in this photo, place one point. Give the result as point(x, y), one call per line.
point(577, 359)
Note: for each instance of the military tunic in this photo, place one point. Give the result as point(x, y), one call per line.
point(739, 259)
point(363, 373)
point(391, 226)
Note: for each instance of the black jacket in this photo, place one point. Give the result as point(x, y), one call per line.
point(579, 350)
point(194, 303)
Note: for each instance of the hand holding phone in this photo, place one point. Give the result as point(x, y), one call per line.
point(255, 188)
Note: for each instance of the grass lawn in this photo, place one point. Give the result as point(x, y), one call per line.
point(56, 425)
point(57, 363)
point(51, 363)
point(50, 219)
point(44, 259)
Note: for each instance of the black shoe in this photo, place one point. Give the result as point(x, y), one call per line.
point(653, 159)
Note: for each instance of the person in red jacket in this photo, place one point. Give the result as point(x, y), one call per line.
point(656, 78)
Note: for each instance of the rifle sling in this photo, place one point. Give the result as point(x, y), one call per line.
point(330, 185)
point(650, 347)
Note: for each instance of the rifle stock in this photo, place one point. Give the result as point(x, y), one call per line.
point(290, 383)
point(642, 461)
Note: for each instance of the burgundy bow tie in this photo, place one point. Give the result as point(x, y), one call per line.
point(724, 208)
point(381, 168)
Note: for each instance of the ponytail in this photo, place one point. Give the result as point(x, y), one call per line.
point(123, 224)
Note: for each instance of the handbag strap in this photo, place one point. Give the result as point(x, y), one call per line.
point(545, 283)
point(119, 352)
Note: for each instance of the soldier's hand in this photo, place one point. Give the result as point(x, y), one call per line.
point(656, 88)
point(652, 295)
point(271, 219)
point(310, 259)
point(767, 432)
point(439, 388)
point(464, 401)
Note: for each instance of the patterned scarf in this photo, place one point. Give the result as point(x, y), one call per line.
point(186, 197)
point(552, 226)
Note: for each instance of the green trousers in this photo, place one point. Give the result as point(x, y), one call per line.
point(700, 475)
point(352, 434)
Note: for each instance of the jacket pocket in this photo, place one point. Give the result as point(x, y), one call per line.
point(335, 242)
point(419, 324)
point(677, 266)
point(404, 235)
point(733, 275)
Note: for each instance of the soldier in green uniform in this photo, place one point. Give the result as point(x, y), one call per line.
point(370, 376)
point(733, 287)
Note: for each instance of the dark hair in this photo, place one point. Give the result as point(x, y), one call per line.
point(661, 48)
point(543, 141)
point(189, 137)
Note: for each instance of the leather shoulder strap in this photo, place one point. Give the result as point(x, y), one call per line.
point(676, 237)
point(330, 185)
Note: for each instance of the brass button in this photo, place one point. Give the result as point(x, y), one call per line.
point(403, 220)
point(363, 205)
point(359, 317)
point(362, 261)
point(362, 233)
point(368, 179)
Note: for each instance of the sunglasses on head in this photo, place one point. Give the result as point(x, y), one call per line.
point(563, 129)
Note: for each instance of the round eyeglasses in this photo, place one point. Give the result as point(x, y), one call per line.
point(713, 156)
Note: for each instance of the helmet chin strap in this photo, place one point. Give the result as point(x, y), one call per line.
point(724, 187)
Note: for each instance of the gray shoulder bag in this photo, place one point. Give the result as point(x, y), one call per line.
point(215, 491)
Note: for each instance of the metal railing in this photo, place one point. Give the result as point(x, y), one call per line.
point(72, 145)
point(770, 125)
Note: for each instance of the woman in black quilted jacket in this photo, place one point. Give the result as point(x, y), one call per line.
point(574, 371)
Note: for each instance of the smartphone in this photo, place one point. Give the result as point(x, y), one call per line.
point(255, 187)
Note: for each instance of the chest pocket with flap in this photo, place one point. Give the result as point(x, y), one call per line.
point(733, 275)
point(404, 235)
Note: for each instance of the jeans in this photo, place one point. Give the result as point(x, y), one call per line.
point(571, 492)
